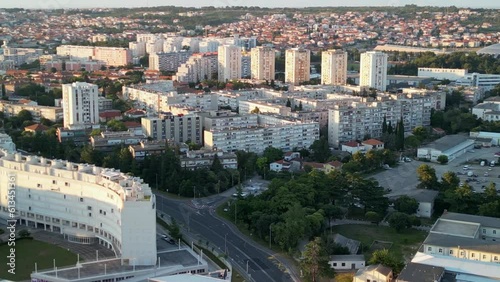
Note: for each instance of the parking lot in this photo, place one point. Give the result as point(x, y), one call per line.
point(403, 178)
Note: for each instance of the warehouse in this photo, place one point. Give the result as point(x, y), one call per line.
point(451, 146)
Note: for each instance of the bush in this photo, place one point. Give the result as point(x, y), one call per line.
point(442, 159)
point(23, 233)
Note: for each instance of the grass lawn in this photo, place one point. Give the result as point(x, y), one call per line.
point(28, 252)
point(405, 243)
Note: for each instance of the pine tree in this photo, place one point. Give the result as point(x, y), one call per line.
point(384, 125)
point(401, 134)
point(300, 106)
point(389, 128)
point(288, 103)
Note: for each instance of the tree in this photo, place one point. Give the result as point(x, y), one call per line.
point(449, 180)
point(332, 212)
point(384, 125)
point(320, 150)
point(24, 115)
point(387, 259)
point(491, 191)
point(406, 205)
point(390, 130)
point(174, 230)
point(373, 217)
point(314, 263)
point(262, 164)
point(116, 125)
point(427, 177)
point(273, 154)
point(4, 93)
point(23, 233)
point(442, 159)
point(420, 132)
point(255, 111)
point(412, 141)
point(216, 165)
point(399, 221)
point(400, 135)
point(288, 103)
point(300, 106)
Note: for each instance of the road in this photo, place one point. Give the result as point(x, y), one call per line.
point(199, 218)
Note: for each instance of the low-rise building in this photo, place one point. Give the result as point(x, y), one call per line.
point(107, 141)
point(10, 109)
point(417, 272)
point(373, 144)
point(451, 146)
point(353, 147)
point(347, 262)
point(205, 158)
point(376, 272)
point(6, 143)
point(147, 148)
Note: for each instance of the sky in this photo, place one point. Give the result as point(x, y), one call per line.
point(53, 4)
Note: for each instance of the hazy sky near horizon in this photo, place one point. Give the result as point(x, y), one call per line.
point(54, 4)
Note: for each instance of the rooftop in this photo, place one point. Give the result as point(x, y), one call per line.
point(487, 246)
point(416, 272)
point(347, 257)
point(447, 142)
point(455, 228)
point(483, 220)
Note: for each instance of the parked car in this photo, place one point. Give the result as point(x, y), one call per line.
point(169, 240)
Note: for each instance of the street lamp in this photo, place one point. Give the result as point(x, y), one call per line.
point(225, 244)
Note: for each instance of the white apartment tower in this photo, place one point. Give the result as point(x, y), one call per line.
point(80, 104)
point(229, 58)
point(262, 61)
point(334, 67)
point(297, 65)
point(373, 70)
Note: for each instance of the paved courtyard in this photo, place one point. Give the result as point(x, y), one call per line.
point(403, 178)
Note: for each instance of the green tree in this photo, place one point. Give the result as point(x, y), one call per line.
point(216, 165)
point(24, 115)
point(4, 92)
point(399, 221)
point(390, 130)
point(314, 263)
point(384, 125)
point(412, 142)
point(23, 233)
point(320, 150)
point(273, 154)
point(420, 132)
point(442, 159)
point(174, 230)
point(262, 164)
point(116, 125)
point(427, 177)
point(373, 217)
point(491, 191)
point(387, 259)
point(288, 103)
point(406, 205)
point(449, 180)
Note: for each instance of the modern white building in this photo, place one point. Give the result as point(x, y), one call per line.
point(246, 107)
point(80, 104)
point(9, 109)
point(464, 244)
point(442, 73)
point(347, 262)
point(6, 143)
point(137, 49)
point(179, 128)
point(263, 63)
point(229, 63)
point(334, 67)
point(484, 81)
point(85, 203)
point(451, 146)
point(297, 65)
point(373, 70)
point(111, 56)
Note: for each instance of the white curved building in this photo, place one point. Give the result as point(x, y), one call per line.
point(85, 203)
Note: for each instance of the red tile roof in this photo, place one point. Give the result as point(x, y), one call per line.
point(373, 142)
point(353, 144)
point(37, 127)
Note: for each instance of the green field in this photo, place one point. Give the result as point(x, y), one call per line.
point(404, 244)
point(28, 252)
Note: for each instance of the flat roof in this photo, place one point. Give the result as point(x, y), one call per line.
point(441, 240)
point(417, 272)
point(423, 195)
point(185, 278)
point(485, 221)
point(347, 258)
point(447, 142)
point(451, 227)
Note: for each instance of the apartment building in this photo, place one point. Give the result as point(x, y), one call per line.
point(334, 67)
point(168, 61)
point(229, 121)
point(146, 148)
point(197, 68)
point(276, 131)
point(297, 65)
point(179, 128)
point(85, 203)
point(205, 158)
point(110, 56)
point(108, 140)
point(229, 63)
point(80, 104)
point(19, 56)
point(10, 109)
point(464, 244)
point(137, 49)
point(359, 119)
point(263, 63)
point(246, 66)
point(373, 72)
point(247, 107)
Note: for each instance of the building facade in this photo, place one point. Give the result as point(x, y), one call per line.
point(205, 158)
point(80, 104)
point(229, 63)
point(179, 128)
point(263, 63)
point(111, 56)
point(334, 67)
point(297, 65)
point(441, 73)
point(373, 70)
point(198, 67)
point(168, 61)
point(85, 203)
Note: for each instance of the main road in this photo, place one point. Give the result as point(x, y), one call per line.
point(199, 219)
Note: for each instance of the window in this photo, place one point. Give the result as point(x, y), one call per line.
point(64, 196)
point(440, 250)
point(89, 208)
point(90, 214)
point(451, 252)
point(343, 264)
point(39, 185)
point(81, 199)
point(54, 182)
point(484, 256)
point(334, 264)
point(484, 231)
point(429, 249)
point(494, 232)
point(495, 258)
point(473, 255)
point(66, 184)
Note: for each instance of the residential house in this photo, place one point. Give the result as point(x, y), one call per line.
point(291, 155)
point(425, 199)
point(331, 166)
point(280, 165)
point(374, 273)
point(373, 144)
point(347, 262)
point(36, 128)
point(110, 115)
point(353, 147)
